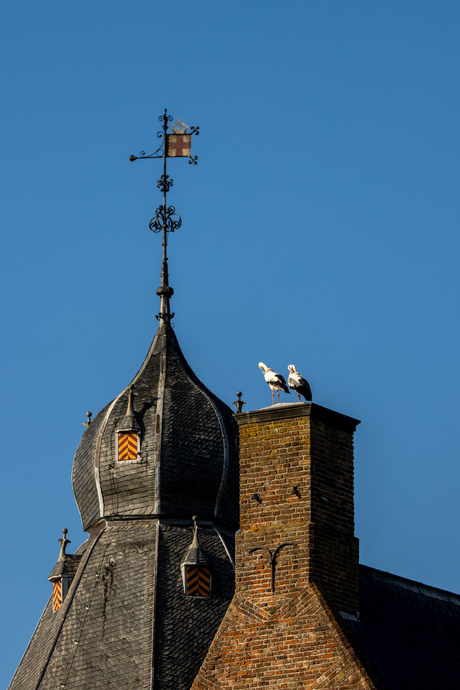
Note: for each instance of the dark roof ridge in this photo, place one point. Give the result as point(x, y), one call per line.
point(411, 585)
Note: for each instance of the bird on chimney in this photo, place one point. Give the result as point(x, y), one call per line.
point(275, 381)
point(297, 383)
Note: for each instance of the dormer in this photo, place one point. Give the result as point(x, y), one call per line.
point(63, 572)
point(196, 575)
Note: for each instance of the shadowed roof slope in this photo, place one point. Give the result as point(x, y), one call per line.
point(409, 632)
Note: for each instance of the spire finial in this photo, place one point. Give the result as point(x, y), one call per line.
point(239, 403)
point(195, 532)
point(63, 543)
point(128, 422)
point(129, 411)
point(174, 145)
point(88, 422)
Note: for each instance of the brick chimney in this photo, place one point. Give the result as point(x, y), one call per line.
point(296, 558)
point(296, 469)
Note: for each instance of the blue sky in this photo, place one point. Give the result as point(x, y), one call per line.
point(320, 228)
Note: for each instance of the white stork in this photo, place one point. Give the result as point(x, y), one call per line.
point(275, 381)
point(297, 383)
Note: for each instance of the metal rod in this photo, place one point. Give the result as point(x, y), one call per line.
point(165, 127)
point(164, 272)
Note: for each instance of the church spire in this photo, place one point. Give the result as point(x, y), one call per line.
point(176, 144)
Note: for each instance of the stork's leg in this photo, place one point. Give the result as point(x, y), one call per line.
point(299, 396)
point(273, 397)
point(278, 396)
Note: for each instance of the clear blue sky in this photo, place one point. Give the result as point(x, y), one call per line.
point(320, 228)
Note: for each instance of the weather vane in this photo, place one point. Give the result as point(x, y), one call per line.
point(175, 144)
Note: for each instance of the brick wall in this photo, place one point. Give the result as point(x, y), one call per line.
point(296, 488)
point(300, 645)
point(308, 450)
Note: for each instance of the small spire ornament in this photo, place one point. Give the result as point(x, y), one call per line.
point(239, 403)
point(87, 423)
point(63, 543)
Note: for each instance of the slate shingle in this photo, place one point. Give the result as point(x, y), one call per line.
point(103, 634)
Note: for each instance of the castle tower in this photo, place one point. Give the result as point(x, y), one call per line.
point(126, 616)
point(155, 478)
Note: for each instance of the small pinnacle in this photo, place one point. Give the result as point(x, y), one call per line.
point(195, 526)
point(88, 414)
point(239, 403)
point(63, 543)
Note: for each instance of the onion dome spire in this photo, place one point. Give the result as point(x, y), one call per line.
point(162, 451)
point(166, 446)
point(185, 454)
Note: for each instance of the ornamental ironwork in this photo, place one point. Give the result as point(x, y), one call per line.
point(165, 217)
point(272, 560)
point(175, 144)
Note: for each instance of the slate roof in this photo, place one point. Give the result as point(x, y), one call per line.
point(194, 554)
point(125, 601)
point(409, 632)
point(126, 606)
point(65, 566)
point(188, 454)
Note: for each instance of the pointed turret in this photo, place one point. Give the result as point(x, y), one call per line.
point(159, 454)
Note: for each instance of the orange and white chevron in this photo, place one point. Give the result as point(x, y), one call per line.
point(127, 446)
point(57, 595)
point(198, 581)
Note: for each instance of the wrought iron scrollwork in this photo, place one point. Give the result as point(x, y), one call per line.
point(156, 154)
point(193, 160)
point(164, 218)
point(165, 183)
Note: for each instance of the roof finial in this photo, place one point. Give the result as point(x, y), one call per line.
point(194, 554)
point(128, 422)
point(239, 403)
point(195, 543)
point(129, 411)
point(174, 145)
point(88, 414)
point(63, 543)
